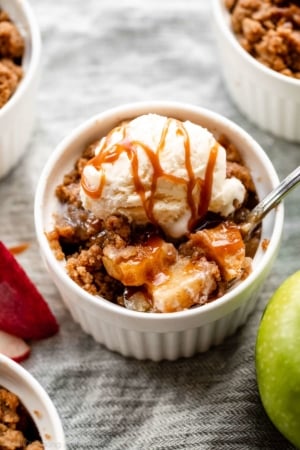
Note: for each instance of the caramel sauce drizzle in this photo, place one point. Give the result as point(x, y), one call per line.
point(206, 185)
point(110, 153)
point(16, 249)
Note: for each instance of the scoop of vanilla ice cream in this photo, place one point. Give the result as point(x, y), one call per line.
point(171, 157)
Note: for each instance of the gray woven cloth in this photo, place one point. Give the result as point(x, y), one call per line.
point(98, 54)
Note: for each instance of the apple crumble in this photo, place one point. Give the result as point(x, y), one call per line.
point(139, 265)
point(270, 31)
point(17, 429)
point(11, 52)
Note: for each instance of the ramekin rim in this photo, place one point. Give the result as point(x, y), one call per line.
point(219, 16)
point(106, 304)
point(36, 45)
point(41, 393)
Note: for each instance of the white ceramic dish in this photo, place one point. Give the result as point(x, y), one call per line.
point(149, 335)
point(269, 99)
point(37, 402)
point(18, 114)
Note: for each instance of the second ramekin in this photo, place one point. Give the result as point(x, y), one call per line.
point(19, 381)
point(152, 335)
point(268, 99)
point(17, 116)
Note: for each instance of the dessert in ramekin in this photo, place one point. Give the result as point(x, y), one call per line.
point(262, 79)
point(174, 325)
point(20, 82)
point(38, 425)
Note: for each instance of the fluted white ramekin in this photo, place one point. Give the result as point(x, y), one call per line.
point(152, 335)
point(16, 379)
point(267, 98)
point(18, 114)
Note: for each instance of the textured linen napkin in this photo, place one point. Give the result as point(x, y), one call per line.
point(98, 54)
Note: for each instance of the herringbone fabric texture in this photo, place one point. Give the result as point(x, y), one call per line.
point(98, 54)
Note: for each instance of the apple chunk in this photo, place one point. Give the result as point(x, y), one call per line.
point(136, 265)
point(224, 245)
point(186, 284)
point(13, 347)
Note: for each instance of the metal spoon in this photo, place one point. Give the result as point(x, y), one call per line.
point(269, 202)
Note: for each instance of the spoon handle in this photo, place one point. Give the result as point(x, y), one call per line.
point(272, 199)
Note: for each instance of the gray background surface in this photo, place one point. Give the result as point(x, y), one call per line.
point(98, 54)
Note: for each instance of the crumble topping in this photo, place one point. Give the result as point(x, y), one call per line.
point(11, 52)
point(270, 31)
point(17, 429)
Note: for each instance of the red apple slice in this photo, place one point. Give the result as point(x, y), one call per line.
point(23, 311)
point(13, 347)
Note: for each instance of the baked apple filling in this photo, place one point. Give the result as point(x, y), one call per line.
point(151, 233)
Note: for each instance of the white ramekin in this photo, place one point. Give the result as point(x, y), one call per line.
point(267, 98)
point(149, 335)
point(18, 114)
point(37, 402)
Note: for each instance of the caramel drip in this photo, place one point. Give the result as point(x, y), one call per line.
point(206, 188)
point(16, 249)
point(191, 176)
point(109, 153)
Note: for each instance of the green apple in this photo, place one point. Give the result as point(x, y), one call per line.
point(278, 359)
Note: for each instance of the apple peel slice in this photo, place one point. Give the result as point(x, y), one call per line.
point(13, 347)
point(23, 311)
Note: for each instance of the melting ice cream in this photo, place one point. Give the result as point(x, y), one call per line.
point(159, 170)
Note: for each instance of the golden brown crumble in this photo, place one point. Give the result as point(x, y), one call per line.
point(265, 244)
point(11, 52)
point(17, 429)
point(270, 31)
point(139, 267)
point(35, 446)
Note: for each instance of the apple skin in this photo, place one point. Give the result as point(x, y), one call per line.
point(277, 359)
